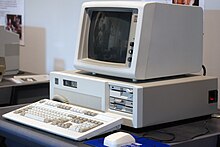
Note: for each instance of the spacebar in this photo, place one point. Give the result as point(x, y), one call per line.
point(38, 118)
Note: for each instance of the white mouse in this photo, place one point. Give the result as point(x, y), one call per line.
point(119, 139)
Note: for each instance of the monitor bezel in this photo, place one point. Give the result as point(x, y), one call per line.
point(83, 46)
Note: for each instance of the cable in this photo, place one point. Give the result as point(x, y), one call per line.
point(198, 135)
point(161, 140)
point(204, 70)
point(173, 136)
point(206, 132)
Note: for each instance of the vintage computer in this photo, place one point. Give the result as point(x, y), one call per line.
point(135, 62)
point(2, 67)
point(10, 50)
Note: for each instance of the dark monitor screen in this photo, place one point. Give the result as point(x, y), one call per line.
point(108, 36)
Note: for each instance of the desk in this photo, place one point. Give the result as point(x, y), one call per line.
point(13, 93)
point(33, 137)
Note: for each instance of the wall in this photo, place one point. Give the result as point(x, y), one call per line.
point(50, 34)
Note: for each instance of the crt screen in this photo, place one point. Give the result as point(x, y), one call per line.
point(108, 36)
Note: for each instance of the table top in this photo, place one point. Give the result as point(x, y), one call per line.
point(34, 137)
point(6, 82)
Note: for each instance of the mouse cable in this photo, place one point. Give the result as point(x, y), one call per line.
point(195, 136)
point(173, 136)
point(158, 139)
point(206, 132)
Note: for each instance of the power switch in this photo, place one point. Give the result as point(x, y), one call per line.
point(213, 96)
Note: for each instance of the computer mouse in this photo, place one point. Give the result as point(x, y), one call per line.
point(60, 98)
point(118, 139)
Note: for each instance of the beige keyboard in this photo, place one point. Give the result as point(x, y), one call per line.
point(66, 120)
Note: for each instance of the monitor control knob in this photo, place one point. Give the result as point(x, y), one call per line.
point(131, 51)
point(129, 59)
point(131, 44)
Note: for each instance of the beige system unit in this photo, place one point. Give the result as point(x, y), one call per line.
point(141, 104)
